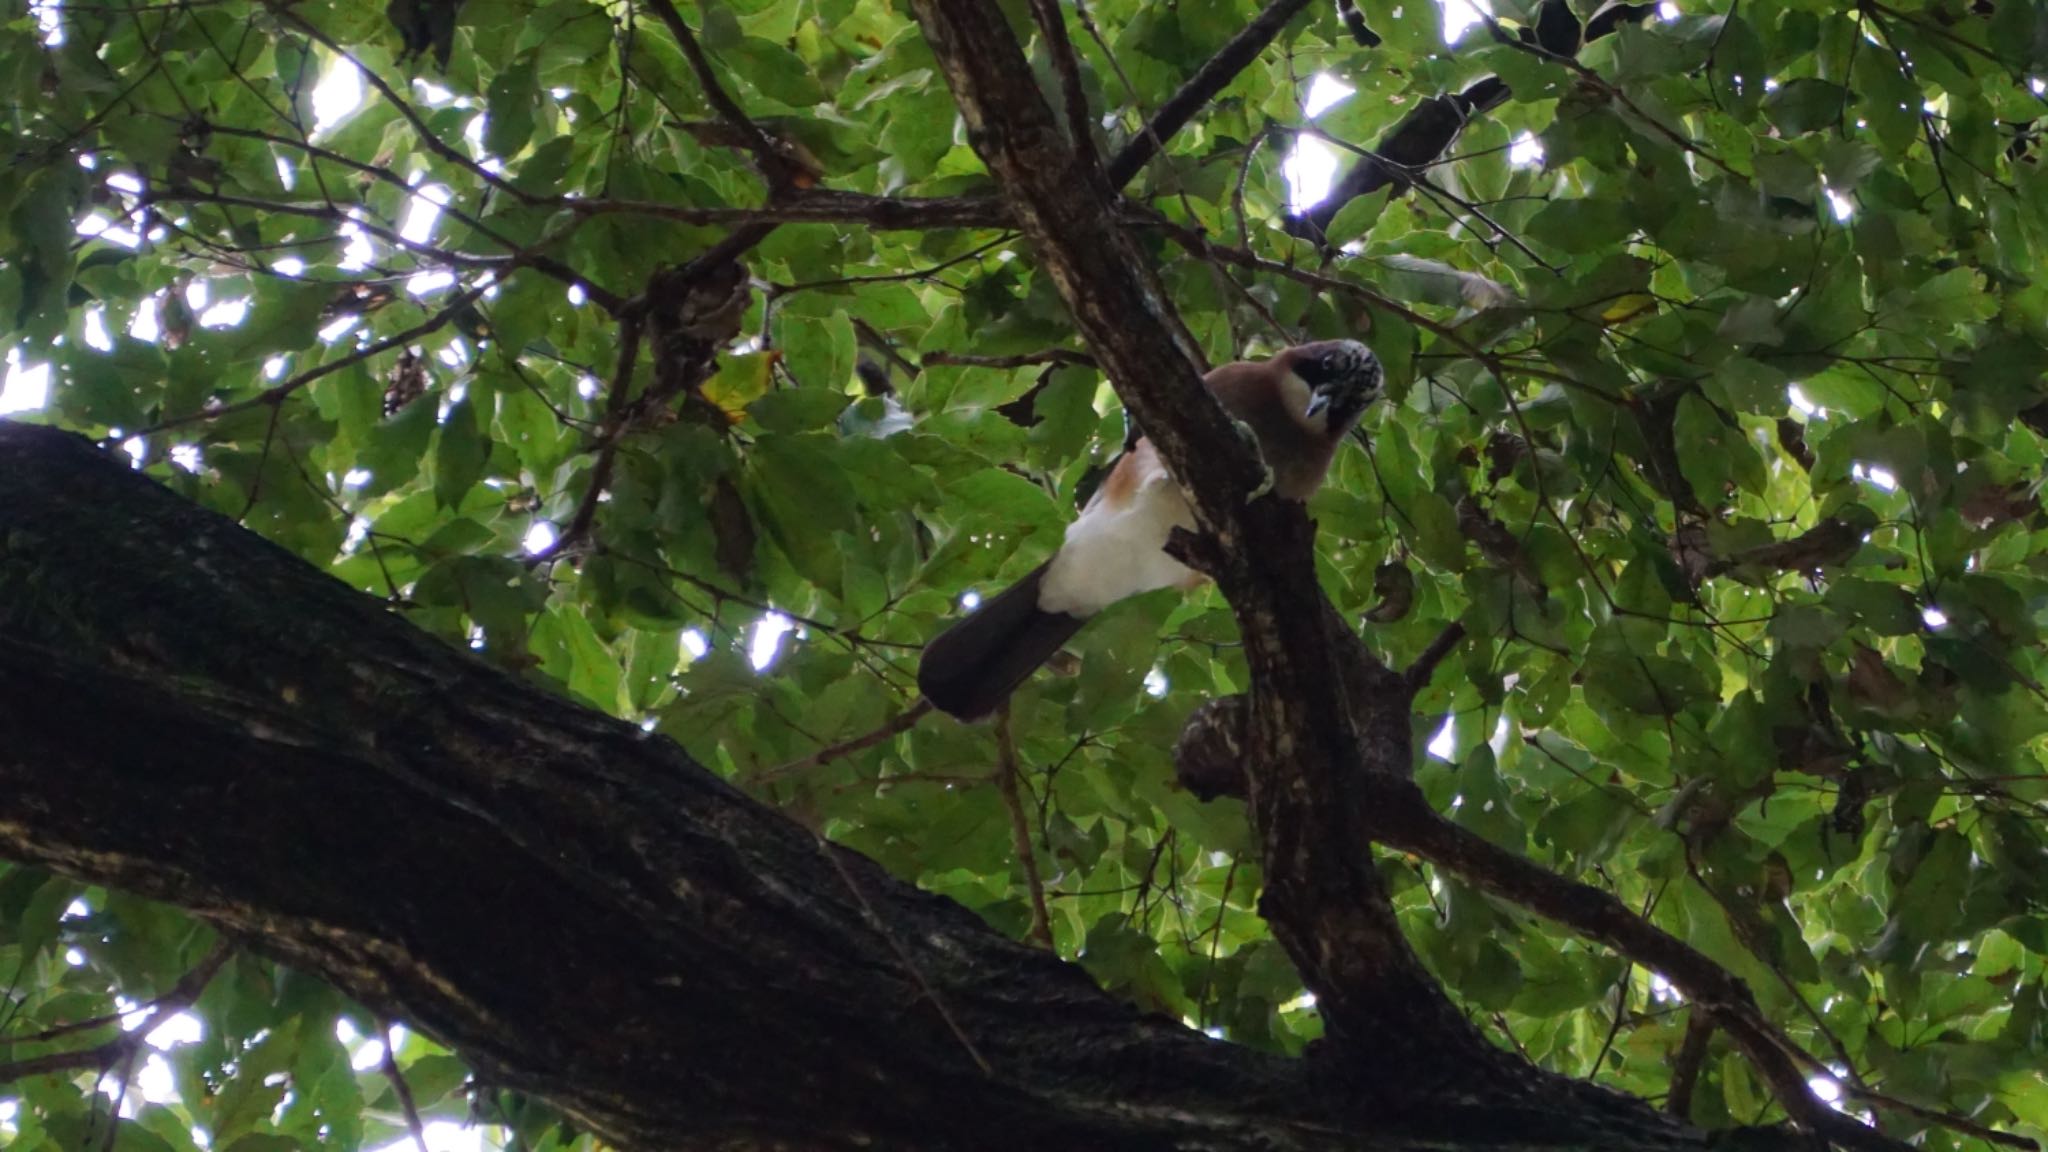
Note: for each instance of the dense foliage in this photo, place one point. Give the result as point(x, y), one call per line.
point(1717, 419)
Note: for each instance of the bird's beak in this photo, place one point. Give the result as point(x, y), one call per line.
point(1317, 401)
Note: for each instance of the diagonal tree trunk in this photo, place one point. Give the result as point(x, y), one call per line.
point(580, 910)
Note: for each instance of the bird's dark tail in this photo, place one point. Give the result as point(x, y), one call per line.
point(972, 667)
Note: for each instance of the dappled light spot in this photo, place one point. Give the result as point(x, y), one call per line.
point(225, 314)
point(1877, 477)
point(27, 387)
point(766, 644)
point(1155, 683)
point(1461, 16)
point(96, 335)
point(338, 94)
point(1445, 742)
point(49, 21)
point(1311, 166)
point(339, 327)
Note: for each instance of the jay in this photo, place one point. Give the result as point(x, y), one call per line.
point(1298, 406)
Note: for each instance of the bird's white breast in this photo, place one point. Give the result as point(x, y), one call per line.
point(1117, 549)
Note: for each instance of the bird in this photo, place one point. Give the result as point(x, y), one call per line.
point(1297, 406)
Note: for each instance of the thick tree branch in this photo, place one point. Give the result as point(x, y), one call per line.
point(698, 954)
point(1052, 25)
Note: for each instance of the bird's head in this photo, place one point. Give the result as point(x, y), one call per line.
point(1343, 377)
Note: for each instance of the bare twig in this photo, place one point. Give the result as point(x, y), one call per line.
point(1020, 830)
point(615, 422)
point(821, 206)
point(427, 138)
point(122, 1046)
point(775, 166)
point(1021, 360)
point(1685, 1065)
point(401, 1089)
point(281, 391)
point(1447, 641)
point(1211, 78)
point(896, 726)
point(1403, 820)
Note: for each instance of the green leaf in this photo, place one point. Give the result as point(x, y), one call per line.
point(1805, 105)
point(1930, 904)
point(776, 72)
point(510, 105)
point(804, 502)
point(1357, 217)
point(460, 453)
point(798, 409)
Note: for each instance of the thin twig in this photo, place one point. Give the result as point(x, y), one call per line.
point(426, 135)
point(775, 168)
point(901, 723)
point(103, 1056)
point(1020, 830)
point(1021, 360)
point(1685, 1066)
point(615, 422)
point(1447, 641)
point(831, 853)
point(278, 393)
point(1211, 78)
point(401, 1089)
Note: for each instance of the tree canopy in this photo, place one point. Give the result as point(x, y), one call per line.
point(1655, 696)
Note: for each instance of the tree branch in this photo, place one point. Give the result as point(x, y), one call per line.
point(278, 393)
point(895, 726)
point(1446, 642)
point(1327, 906)
point(1020, 360)
point(1686, 1063)
point(1209, 80)
point(1402, 820)
point(123, 1044)
point(1422, 136)
point(820, 206)
point(775, 167)
point(1020, 832)
point(1053, 26)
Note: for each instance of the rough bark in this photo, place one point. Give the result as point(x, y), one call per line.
point(575, 906)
